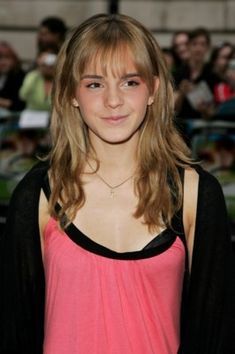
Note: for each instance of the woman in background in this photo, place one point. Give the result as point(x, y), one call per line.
point(37, 84)
point(219, 62)
point(119, 239)
point(11, 78)
point(180, 49)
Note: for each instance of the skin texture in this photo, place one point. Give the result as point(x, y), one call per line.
point(113, 107)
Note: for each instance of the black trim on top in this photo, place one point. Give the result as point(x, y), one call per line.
point(161, 243)
point(156, 246)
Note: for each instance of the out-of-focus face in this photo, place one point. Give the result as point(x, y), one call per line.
point(180, 46)
point(199, 48)
point(7, 61)
point(46, 38)
point(46, 64)
point(223, 58)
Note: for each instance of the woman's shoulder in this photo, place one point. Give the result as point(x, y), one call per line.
point(30, 185)
point(204, 186)
point(205, 178)
point(209, 188)
point(22, 213)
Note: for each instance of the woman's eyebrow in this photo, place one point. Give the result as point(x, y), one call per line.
point(99, 77)
point(88, 76)
point(130, 75)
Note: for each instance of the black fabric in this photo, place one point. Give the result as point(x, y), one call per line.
point(22, 276)
point(208, 302)
point(164, 241)
point(208, 326)
point(11, 87)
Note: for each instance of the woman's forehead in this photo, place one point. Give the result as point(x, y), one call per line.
point(118, 68)
point(117, 62)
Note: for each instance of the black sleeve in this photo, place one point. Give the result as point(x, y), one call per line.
point(12, 88)
point(209, 323)
point(22, 277)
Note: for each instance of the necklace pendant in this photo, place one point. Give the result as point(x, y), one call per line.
point(112, 193)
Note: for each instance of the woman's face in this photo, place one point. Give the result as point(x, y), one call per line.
point(180, 46)
point(223, 58)
point(113, 105)
point(199, 48)
point(7, 61)
point(46, 64)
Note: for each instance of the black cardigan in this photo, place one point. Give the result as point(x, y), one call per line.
point(208, 325)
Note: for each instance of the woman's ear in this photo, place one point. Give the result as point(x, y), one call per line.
point(75, 102)
point(155, 88)
point(150, 100)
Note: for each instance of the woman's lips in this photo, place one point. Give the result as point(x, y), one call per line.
point(115, 119)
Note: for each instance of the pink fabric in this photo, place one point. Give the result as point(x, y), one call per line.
point(100, 305)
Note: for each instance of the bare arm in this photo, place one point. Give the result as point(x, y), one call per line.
point(43, 218)
point(191, 181)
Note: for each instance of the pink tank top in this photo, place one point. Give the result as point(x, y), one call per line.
point(99, 301)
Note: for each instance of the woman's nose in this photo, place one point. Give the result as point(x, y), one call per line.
point(114, 97)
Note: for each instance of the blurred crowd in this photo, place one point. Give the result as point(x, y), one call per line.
point(31, 88)
point(27, 88)
point(204, 75)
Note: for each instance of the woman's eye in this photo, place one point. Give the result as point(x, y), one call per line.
point(131, 83)
point(93, 85)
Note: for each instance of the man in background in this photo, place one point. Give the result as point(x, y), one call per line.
point(51, 33)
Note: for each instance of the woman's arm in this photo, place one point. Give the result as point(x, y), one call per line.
point(191, 180)
point(43, 218)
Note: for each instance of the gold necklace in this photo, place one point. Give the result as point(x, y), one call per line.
point(112, 188)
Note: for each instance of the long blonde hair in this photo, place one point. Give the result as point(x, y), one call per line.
point(161, 150)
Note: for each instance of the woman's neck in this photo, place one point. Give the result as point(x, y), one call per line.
point(115, 160)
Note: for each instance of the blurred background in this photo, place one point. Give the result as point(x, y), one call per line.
point(19, 19)
point(197, 38)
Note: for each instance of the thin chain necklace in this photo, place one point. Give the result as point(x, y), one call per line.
point(112, 188)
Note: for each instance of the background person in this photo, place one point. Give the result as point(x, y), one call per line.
point(51, 33)
point(226, 109)
point(195, 71)
point(179, 47)
point(219, 60)
point(11, 78)
point(37, 85)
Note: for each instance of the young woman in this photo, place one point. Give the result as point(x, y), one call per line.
point(116, 244)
